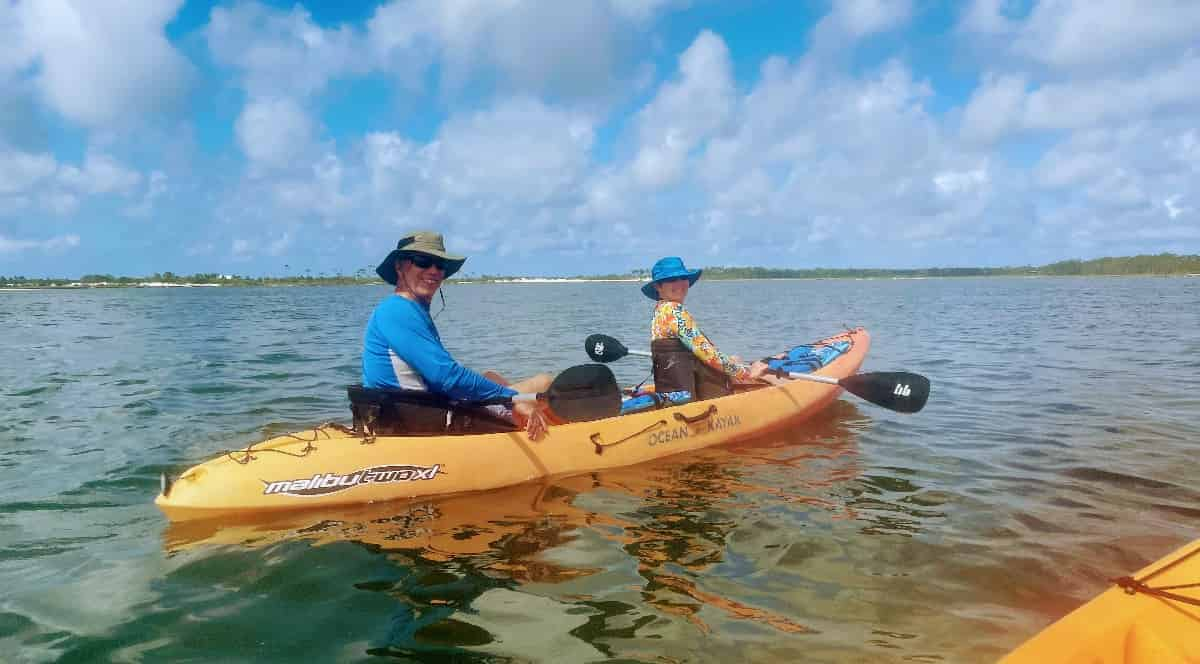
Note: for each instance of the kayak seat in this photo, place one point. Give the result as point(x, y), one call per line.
point(398, 412)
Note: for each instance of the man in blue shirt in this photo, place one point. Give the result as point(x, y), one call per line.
point(402, 348)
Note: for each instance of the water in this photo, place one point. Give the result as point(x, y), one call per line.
point(1057, 450)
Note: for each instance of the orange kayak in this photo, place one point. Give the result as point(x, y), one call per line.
point(1152, 617)
point(331, 465)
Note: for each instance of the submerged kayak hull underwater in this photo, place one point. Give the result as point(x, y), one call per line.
point(1141, 625)
point(331, 465)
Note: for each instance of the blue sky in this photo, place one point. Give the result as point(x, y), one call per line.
point(559, 138)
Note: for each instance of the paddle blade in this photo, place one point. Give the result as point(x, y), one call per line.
point(584, 393)
point(900, 391)
point(603, 348)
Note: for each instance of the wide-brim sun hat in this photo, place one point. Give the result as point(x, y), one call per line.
point(419, 242)
point(671, 267)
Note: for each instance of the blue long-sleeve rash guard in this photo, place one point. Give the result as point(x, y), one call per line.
point(401, 329)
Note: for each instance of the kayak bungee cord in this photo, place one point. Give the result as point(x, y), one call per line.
point(1133, 586)
point(595, 438)
point(249, 453)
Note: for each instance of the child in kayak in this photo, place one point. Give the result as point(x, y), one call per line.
point(402, 348)
point(683, 357)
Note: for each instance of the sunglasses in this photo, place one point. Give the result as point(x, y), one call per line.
point(424, 261)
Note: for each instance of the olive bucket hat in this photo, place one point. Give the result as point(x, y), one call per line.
point(671, 267)
point(419, 242)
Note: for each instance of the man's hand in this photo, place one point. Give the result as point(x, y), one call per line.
point(532, 415)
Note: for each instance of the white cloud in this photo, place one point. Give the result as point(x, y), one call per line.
point(643, 10)
point(750, 192)
point(273, 133)
point(21, 171)
point(1172, 205)
point(1002, 105)
point(156, 187)
point(1064, 167)
point(283, 53)
point(995, 108)
point(520, 150)
point(1071, 34)
point(565, 48)
point(59, 202)
point(608, 196)
point(685, 112)
point(822, 162)
point(102, 64)
point(315, 191)
point(987, 17)
point(1125, 187)
point(38, 181)
point(1087, 103)
point(852, 20)
point(864, 17)
point(54, 244)
point(951, 183)
point(390, 160)
point(16, 53)
point(101, 174)
point(1185, 148)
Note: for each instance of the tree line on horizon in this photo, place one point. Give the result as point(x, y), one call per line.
point(1145, 264)
point(1159, 264)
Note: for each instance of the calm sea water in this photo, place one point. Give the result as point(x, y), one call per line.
point(1058, 449)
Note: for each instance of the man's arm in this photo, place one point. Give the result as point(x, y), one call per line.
point(414, 340)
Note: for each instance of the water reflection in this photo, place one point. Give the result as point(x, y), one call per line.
point(580, 566)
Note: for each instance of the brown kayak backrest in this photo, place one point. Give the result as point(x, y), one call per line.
point(398, 412)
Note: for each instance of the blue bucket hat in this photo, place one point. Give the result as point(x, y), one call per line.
point(670, 267)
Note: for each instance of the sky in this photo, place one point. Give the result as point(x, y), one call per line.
point(557, 138)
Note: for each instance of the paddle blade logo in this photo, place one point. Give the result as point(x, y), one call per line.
point(326, 483)
point(902, 390)
point(598, 349)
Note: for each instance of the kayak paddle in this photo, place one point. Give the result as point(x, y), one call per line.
point(581, 393)
point(900, 391)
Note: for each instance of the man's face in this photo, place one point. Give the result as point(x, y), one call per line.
point(422, 274)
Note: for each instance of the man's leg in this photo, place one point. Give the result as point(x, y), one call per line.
point(538, 383)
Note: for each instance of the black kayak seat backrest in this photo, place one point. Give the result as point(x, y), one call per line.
point(394, 411)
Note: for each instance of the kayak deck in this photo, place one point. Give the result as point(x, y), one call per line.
point(331, 465)
point(1152, 617)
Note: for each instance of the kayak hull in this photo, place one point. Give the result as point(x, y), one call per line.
point(331, 466)
point(1124, 627)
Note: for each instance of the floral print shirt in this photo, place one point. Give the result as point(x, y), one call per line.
point(672, 321)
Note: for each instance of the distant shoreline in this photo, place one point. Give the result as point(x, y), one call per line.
point(1160, 265)
point(555, 280)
